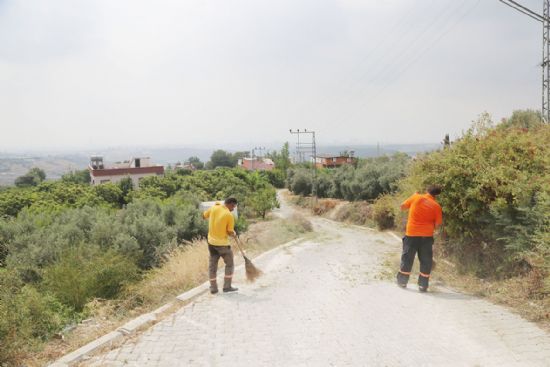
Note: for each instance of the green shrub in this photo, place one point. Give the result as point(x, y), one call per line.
point(27, 317)
point(262, 201)
point(275, 177)
point(384, 213)
point(301, 182)
point(495, 194)
point(373, 177)
point(86, 272)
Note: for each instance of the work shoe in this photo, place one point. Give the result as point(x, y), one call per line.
point(213, 286)
point(422, 289)
point(402, 285)
point(230, 289)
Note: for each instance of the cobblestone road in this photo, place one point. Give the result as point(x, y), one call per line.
point(320, 304)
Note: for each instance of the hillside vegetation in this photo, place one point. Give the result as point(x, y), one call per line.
point(495, 200)
point(64, 243)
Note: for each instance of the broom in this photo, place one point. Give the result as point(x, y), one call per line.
point(443, 239)
point(252, 272)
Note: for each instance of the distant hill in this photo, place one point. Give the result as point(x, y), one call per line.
point(13, 166)
point(365, 151)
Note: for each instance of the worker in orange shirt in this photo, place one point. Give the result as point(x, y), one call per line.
point(424, 217)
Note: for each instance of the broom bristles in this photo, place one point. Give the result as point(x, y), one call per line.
point(252, 272)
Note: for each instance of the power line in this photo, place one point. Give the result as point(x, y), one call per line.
point(394, 69)
point(523, 9)
point(428, 48)
point(312, 149)
point(384, 63)
point(403, 22)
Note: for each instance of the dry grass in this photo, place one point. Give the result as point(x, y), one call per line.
point(184, 268)
point(323, 206)
point(358, 212)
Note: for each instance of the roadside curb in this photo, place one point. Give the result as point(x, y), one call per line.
point(131, 326)
point(204, 287)
point(395, 236)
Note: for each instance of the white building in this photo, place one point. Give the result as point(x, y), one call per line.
point(136, 169)
point(256, 164)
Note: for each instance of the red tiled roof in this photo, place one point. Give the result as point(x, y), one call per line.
point(126, 171)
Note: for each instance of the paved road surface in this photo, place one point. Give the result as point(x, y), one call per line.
point(321, 304)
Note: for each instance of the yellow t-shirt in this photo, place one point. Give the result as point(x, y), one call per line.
point(220, 224)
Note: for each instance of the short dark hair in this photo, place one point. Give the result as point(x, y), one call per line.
point(231, 201)
point(434, 190)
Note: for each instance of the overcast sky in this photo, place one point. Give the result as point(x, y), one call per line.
point(84, 74)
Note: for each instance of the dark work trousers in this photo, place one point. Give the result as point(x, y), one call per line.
point(226, 254)
point(411, 246)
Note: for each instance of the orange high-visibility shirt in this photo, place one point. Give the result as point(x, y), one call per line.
point(424, 215)
point(220, 224)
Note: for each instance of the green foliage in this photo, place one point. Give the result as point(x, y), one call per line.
point(300, 181)
point(126, 185)
point(276, 177)
point(48, 196)
point(372, 178)
point(32, 178)
point(384, 213)
point(522, 119)
point(26, 316)
point(110, 193)
point(86, 272)
point(263, 201)
point(496, 183)
point(196, 162)
point(281, 160)
point(221, 158)
point(77, 177)
point(63, 243)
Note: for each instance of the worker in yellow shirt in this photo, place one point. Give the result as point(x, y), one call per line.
point(221, 224)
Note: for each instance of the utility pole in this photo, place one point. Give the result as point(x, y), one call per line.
point(253, 153)
point(311, 148)
point(545, 20)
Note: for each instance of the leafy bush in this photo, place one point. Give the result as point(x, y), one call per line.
point(63, 243)
point(301, 182)
point(26, 316)
point(77, 177)
point(263, 200)
point(275, 177)
point(384, 213)
point(83, 273)
point(495, 198)
point(373, 177)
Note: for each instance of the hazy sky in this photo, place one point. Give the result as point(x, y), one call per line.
point(79, 74)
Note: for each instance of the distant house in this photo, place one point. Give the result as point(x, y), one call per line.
point(333, 161)
point(186, 165)
point(256, 164)
point(136, 169)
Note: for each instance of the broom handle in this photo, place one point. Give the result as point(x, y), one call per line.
point(237, 242)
